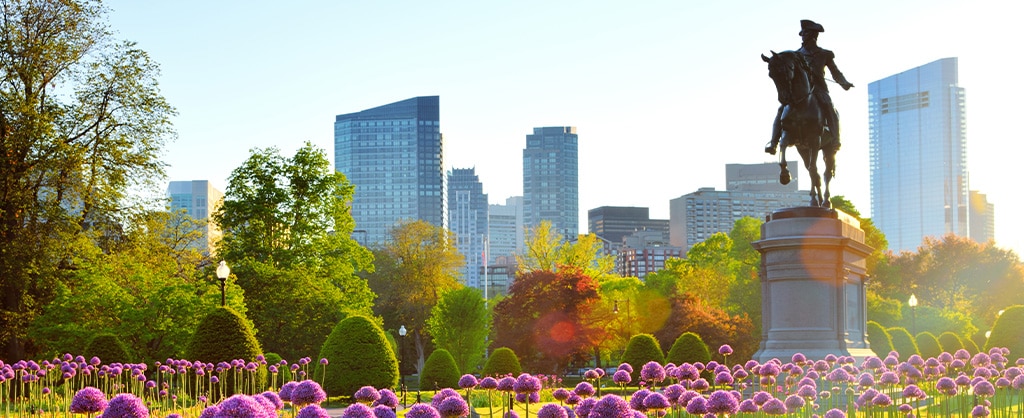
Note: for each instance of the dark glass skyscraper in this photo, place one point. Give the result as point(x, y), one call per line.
point(551, 179)
point(467, 218)
point(393, 154)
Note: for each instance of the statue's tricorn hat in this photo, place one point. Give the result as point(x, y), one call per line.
point(806, 25)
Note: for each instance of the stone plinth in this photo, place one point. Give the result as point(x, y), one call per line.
point(812, 285)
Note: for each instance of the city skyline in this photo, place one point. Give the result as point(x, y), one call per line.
point(666, 90)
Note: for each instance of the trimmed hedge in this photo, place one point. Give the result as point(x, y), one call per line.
point(1006, 331)
point(970, 346)
point(950, 342)
point(108, 348)
point(502, 361)
point(358, 355)
point(879, 339)
point(688, 348)
point(224, 335)
point(641, 349)
point(903, 342)
point(928, 345)
point(440, 371)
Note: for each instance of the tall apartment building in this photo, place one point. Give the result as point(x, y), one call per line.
point(467, 218)
point(982, 215)
point(918, 155)
point(644, 252)
point(551, 179)
point(199, 200)
point(506, 238)
point(751, 190)
point(613, 223)
point(394, 156)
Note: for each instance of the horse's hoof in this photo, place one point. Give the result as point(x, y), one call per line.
point(784, 178)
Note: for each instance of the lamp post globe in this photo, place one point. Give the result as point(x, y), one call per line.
point(912, 302)
point(223, 271)
point(401, 355)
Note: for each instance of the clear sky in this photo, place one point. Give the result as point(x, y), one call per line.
point(663, 93)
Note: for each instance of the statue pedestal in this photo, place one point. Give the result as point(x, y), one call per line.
point(812, 285)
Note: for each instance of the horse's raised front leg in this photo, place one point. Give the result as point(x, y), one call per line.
point(784, 176)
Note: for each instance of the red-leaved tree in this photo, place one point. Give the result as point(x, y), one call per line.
point(542, 319)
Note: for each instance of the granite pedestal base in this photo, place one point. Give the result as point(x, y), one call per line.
point(812, 285)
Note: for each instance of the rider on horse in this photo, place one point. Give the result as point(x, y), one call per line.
point(818, 58)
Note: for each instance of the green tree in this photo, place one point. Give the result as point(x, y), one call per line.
point(82, 122)
point(928, 344)
point(688, 348)
point(440, 371)
point(358, 354)
point(547, 250)
point(460, 323)
point(503, 361)
point(288, 241)
point(642, 348)
point(108, 348)
point(872, 235)
point(418, 264)
point(745, 294)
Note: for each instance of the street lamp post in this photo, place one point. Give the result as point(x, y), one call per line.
point(401, 356)
point(913, 313)
point(222, 274)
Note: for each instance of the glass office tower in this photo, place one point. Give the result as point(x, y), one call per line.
point(467, 217)
point(551, 179)
point(918, 155)
point(394, 155)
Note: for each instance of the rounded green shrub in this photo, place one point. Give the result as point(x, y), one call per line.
point(440, 371)
point(224, 335)
point(358, 354)
point(688, 348)
point(928, 345)
point(903, 342)
point(284, 374)
point(879, 339)
point(108, 348)
point(502, 361)
point(970, 346)
point(950, 342)
point(1006, 332)
point(642, 348)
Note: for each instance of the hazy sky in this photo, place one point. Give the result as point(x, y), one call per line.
point(663, 93)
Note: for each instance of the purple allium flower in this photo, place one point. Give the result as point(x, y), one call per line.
point(794, 402)
point(126, 405)
point(697, 406)
point(889, 378)
point(774, 407)
point(268, 406)
point(453, 407)
point(585, 406)
point(722, 403)
point(946, 386)
point(528, 397)
point(621, 377)
point(307, 392)
point(725, 350)
point(489, 383)
point(560, 394)
point(286, 391)
point(724, 378)
point(422, 410)
point(274, 399)
point(748, 406)
point(980, 411)
point(984, 388)
point(506, 384)
point(700, 385)
point(625, 366)
point(882, 400)
point(88, 400)
point(366, 395)
point(1018, 382)
point(526, 383)
point(611, 406)
point(442, 395)
point(637, 400)
point(509, 414)
point(656, 401)
point(383, 411)
point(652, 372)
point(552, 411)
point(210, 411)
point(314, 411)
point(387, 398)
point(573, 399)
point(834, 413)
point(241, 406)
point(468, 381)
point(591, 374)
point(672, 392)
point(687, 371)
point(323, 361)
point(585, 390)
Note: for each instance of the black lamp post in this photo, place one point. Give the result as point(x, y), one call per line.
point(223, 271)
point(913, 313)
point(401, 356)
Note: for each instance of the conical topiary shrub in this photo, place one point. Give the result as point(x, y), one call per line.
point(358, 354)
point(440, 371)
point(879, 339)
point(928, 345)
point(950, 342)
point(970, 346)
point(1006, 332)
point(641, 349)
point(224, 335)
point(903, 342)
point(502, 361)
point(108, 348)
point(688, 348)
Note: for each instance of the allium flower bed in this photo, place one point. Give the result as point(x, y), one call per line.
point(951, 385)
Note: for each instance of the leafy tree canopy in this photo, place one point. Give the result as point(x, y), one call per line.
point(459, 324)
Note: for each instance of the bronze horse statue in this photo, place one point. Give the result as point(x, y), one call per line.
point(802, 120)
